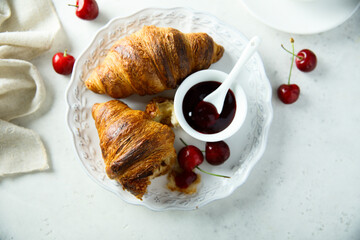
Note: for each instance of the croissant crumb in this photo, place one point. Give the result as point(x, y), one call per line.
point(161, 109)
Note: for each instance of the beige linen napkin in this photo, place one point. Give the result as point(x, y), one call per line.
point(27, 29)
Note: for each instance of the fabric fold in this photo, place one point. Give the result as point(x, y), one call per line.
point(27, 29)
point(21, 150)
point(5, 11)
point(21, 89)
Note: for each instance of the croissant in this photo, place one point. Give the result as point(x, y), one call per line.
point(152, 60)
point(135, 148)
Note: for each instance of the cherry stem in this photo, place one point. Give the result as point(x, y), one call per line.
point(183, 141)
point(73, 5)
point(186, 144)
point(292, 60)
point(299, 57)
point(213, 174)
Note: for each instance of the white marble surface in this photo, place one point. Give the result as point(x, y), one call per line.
point(306, 186)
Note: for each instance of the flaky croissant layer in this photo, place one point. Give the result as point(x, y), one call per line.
point(152, 60)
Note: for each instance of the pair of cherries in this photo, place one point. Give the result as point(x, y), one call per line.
point(305, 61)
point(190, 157)
point(85, 9)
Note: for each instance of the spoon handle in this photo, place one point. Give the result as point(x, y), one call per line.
point(249, 50)
point(217, 97)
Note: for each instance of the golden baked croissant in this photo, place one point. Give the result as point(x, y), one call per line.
point(152, 60)
point(135, 148)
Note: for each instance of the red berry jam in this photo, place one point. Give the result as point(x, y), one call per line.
point(209, 123)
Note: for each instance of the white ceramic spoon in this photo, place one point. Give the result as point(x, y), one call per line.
point(217, 97)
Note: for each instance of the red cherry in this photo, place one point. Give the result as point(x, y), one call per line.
point(306, 60)
point(190, 157)
point(205, 115)
point(288, 93)
point(63, 63)
point(185, 178)
point(216, 153)
point(86, 9)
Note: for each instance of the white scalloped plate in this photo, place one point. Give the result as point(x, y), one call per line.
point(247, 145)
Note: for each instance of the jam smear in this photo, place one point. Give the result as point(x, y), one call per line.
point(200, 115)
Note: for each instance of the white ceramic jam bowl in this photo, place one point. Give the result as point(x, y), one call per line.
point(204, 76)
